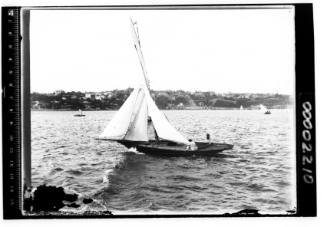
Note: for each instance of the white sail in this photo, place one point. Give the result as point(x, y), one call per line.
point(263, 108)
point(131, 121)
point(118, 126)
point(137, 130)
point(241, 107)
point(163, 128)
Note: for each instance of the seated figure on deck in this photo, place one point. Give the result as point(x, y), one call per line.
point(208, 138)
point(192, 146)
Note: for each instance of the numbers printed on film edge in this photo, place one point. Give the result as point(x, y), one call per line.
point(11, 112)
point(307, 156)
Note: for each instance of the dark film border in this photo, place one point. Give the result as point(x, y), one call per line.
point(11, 112)
point(305, 111)
point(305, 114)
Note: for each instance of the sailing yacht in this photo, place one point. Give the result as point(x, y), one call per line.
point(80, 114)
point(264, 109)
point(139, 123)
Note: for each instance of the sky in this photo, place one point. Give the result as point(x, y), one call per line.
point(239, 51)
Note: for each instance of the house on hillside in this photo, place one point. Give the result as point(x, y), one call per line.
point(58, 92)
point(37, 105)
point(180, 106)
point(99, 96)
point(90, 95)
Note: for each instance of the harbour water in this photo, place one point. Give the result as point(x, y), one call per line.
point(257, 173)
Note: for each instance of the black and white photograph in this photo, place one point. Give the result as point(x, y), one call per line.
point(160, 111)
point(155, 112)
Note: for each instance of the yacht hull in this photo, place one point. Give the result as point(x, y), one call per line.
point(166, 148)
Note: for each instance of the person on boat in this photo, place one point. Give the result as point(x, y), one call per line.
point(208, 138)
point(192, 146)
point(188, 147)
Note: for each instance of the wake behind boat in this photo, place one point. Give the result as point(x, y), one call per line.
point(140, 124)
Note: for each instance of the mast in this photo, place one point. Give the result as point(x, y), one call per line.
point(137, 45)
point(131, 121)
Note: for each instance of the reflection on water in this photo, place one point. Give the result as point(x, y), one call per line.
point(257, 173)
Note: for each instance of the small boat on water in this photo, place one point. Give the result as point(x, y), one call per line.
point(140, 124)
point(80, 114)
point(264, 109)
point(241, 107)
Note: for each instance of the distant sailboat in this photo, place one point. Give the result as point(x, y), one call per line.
point(139, 123)
point(264, 109)
point(241, 107)
point(80, 114)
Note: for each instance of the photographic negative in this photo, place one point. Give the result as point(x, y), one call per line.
point(135, 111)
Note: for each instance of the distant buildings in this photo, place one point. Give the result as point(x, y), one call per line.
point(98, 95)
point(108, 94)
point(37, 105)
point(58, 92)
point(180, 106)
point(90, 96)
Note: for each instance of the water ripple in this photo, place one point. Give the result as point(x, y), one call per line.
point(255, 174)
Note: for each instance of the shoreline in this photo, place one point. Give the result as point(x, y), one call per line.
point(71, 110)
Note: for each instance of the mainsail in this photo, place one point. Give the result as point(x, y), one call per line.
point(132, 120)
point(163, 128)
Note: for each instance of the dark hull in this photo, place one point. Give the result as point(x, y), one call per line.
point(165, 148)
point(130, 144)
point(79, 115)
